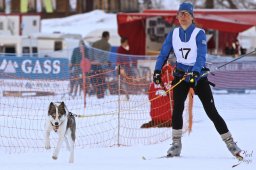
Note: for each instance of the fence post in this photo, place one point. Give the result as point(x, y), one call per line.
point(119, 105)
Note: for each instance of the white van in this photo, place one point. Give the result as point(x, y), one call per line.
point(39, 45)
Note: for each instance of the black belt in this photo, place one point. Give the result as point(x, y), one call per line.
point(178, 73)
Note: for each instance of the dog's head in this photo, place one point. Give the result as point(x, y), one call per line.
point(57, 114)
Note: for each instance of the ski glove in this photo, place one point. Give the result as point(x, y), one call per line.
point(193, 78)
point(157, 77)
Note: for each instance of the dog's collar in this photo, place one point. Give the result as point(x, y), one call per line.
point(54, 127)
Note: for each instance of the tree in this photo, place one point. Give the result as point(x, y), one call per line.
point(152, 4)
point(158, 4)
point(209, 4)
point(147, 4)
point(230, 4)
point(227, 4)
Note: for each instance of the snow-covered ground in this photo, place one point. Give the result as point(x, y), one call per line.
point(202, 149)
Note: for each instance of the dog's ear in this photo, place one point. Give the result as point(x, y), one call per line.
point(62, 107)
point(51, 106)
point(62, 103)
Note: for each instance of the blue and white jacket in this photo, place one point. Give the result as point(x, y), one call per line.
point(184, 36)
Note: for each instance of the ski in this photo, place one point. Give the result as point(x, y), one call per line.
point(233, 166)
point(151, 158)
point(158, 157)
point(240, 159)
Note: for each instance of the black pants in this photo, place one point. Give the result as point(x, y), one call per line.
point(204, 93)
point(98, 80)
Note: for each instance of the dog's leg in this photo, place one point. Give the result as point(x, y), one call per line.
point(61, 133)
point(67, 143)
point(47, 135)
point(71, 157)
point(71, 139)
point(71, 145)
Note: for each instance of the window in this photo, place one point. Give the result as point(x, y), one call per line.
point(57, 45)
point(34, 51)
point(160, 30)
point(34, 23)
point(10, 49)
point(25, 50)
point(152, 23)
point(151, 31)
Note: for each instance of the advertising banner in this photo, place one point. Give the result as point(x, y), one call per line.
point(12, 67)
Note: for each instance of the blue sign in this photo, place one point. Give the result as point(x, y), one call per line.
point(12, 67)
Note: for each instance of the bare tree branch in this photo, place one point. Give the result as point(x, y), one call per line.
point(221, 2)
point(158, 4)
point(230, 5)
point(209, 4)
point(244, 4)
point(251, 5)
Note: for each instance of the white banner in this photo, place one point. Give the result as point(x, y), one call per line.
point(22, 88)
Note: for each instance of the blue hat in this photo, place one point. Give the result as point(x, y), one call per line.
point(186, 6)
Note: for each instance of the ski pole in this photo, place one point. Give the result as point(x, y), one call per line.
point(217, 68)
point(242, 56)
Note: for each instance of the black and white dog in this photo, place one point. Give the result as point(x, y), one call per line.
point(63, 123)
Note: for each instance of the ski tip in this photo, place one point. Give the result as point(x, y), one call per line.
point(236, 165)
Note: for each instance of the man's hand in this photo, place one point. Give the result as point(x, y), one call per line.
point(193, 78)
point(157, 77)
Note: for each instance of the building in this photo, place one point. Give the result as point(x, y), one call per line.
point(62, 8)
